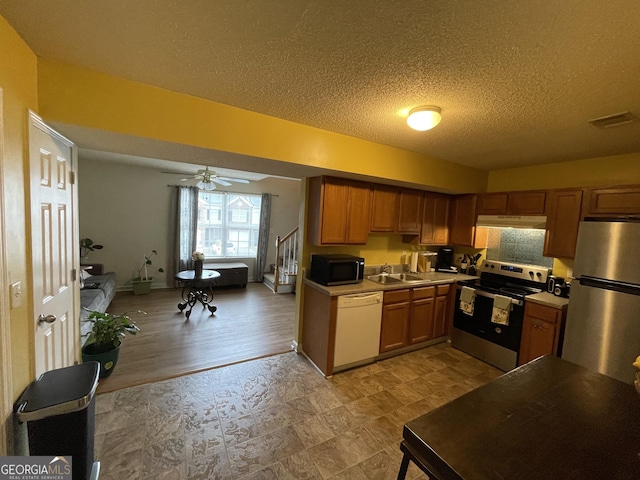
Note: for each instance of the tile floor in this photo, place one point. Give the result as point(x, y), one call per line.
point(278, 418)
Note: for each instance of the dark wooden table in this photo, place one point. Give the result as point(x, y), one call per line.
point(549, 419)
point(197, 289)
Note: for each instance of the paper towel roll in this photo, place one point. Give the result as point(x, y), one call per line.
point(414, 262)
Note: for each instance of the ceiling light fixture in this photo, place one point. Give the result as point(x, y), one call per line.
point(424, 118)
point(206, 185)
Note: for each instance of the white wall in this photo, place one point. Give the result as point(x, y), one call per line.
point(128, 210)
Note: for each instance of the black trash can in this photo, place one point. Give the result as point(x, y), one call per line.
point(59, 409)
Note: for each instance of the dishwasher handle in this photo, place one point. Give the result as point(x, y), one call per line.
point(359, 299)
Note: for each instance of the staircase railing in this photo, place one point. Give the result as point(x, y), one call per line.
point(286, 268)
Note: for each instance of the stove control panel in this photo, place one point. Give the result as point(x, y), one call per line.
point(532, 273)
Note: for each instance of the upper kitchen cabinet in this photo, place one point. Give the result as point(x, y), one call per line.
point(339, 211)
point(512, 203)
point(384, 214)
point(462, 220)
point(563, 219)
point(409, 211)
point(435, 220)
point(614, 201)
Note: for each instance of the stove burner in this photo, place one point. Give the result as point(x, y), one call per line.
point(514, 290)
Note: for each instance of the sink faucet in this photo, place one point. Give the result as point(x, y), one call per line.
point(385, 268)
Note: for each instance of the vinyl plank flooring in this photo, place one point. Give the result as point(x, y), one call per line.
point(249, 323)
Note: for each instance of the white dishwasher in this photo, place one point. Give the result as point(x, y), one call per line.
point(357, 329)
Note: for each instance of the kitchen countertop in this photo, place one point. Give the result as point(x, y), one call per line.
point(549, 299)
point(431, 278)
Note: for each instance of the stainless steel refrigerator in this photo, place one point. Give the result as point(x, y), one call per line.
point(603, 319)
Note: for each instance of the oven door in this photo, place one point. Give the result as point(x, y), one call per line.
point(477, 335)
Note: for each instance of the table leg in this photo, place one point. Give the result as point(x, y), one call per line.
point(402, 473)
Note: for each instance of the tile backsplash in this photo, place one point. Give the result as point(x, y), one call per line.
point(518, 245)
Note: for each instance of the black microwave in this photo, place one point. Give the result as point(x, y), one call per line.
point(336, 269)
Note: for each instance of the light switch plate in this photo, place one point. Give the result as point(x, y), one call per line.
point(16, 294)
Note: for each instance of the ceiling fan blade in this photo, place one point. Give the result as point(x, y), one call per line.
point(234, 180)
point(221, 182)
point(178, 173)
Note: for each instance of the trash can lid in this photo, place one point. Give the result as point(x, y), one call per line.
point(60, 391)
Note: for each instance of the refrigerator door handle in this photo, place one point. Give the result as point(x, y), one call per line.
point(622, 287)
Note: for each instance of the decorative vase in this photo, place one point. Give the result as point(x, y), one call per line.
point(197, 267)
point(107, 360)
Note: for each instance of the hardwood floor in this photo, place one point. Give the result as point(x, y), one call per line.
point(249, 323)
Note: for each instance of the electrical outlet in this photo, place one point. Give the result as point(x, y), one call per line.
point(16, 294)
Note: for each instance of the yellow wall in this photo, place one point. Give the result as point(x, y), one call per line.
point(77, 96)
point(590, 172)
point(18, 80)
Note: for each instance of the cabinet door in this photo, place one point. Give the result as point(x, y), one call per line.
point(440, 317)
point(384, 209)
point(409, 211)
point(526, 203)
point(614, 201)
point(563, 219)
point(334, 211)
point(395, 326)
point(421, 327)
point(435, 220)
point(463, 220)
point(358, 213)
point(538, 338)
point(492, 204)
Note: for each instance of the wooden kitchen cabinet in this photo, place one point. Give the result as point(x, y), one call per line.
point(435, 220)
point(396, 312)
point(462, 220)
point(493, 204)
point(541, 331)
point(614, 201)
point(512, 203)
point(526, 203)
point(422, 312)
point(440, 324)
point(384, 209)
point(339, 211)
point(409, 211)
point(563, 219)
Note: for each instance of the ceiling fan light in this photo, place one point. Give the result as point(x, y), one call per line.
point(424, 118)
point(207, 186)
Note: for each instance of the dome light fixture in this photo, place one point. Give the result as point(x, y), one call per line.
point(424, 118)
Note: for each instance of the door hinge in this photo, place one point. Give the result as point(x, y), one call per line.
point(74, 274)
point(72, 177)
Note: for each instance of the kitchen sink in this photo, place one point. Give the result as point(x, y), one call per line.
point(395, 278)
point(407, 277)
point(384, 278)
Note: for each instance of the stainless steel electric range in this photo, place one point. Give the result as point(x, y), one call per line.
point(475, 332)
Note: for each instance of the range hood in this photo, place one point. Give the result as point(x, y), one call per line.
point(512, 221)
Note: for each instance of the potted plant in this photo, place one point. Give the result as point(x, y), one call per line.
point(104, 339)
point(86, 246)
point(142, 283)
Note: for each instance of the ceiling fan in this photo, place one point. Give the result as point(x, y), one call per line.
point(207, 179)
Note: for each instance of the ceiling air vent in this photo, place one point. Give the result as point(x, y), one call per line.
point(613, 120)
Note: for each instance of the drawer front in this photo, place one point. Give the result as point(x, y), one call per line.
point(395, 296)
point(548, 314)
point(423, 292)
point(442, 290)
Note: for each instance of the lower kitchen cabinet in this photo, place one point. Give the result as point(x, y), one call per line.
point(542, 331)
point(440, 324)
point(421, 321)
point(396, 313)
point(411, 316)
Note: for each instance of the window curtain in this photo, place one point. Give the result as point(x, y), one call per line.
point(186, 223)
point(263, 236)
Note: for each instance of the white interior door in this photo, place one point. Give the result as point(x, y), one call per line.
point(53, 233)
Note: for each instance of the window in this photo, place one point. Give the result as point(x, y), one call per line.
point(228, 224)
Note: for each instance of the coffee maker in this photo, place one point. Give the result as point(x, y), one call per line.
point(444, 260)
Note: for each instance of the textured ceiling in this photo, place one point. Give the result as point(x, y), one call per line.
point(517, 81)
